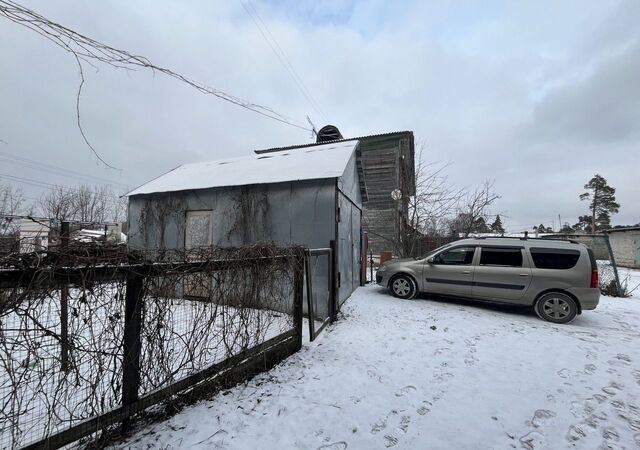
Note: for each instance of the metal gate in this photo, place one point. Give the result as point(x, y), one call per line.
point(321, 288)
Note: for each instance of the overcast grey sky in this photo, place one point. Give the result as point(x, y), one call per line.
point(537, 95)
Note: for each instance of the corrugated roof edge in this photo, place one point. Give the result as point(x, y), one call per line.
point(312, 144)
point(614, 230)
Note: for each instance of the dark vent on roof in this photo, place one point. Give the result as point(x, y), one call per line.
point(328, 133)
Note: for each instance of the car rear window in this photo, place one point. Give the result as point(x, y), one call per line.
point(554, 258)
point(501, 256)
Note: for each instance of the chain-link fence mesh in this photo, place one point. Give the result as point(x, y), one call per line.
point(62, 342)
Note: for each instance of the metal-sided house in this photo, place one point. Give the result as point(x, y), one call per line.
point(307, 197)
point(389, 173)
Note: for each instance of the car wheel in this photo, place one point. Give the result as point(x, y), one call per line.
point(556, 307)
point(403, 286)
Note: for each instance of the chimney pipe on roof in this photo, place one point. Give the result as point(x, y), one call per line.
point(328, 133)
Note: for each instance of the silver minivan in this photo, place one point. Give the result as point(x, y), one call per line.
point(558, 278)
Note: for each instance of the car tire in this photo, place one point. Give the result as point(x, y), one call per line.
point(403, 286)
point(556, 307)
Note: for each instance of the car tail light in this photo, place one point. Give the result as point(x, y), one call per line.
point(594, 278)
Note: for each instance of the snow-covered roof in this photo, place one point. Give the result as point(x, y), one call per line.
point(321, 161)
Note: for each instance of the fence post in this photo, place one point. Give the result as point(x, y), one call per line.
point(298, 296)
point(64, 305)
point(132, 343)
point(333, 305)
point(613, 264)
point(363, 258)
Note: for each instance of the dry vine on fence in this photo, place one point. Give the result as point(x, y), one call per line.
point(60, 365)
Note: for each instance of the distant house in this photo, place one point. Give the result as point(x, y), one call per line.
point(33, 234)
point(389, 174)
point(309, 197)
point(625, 244)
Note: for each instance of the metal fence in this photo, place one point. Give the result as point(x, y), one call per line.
point(87, 343)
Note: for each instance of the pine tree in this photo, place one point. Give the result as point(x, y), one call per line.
point(480, 226)
point(496, 226)
point(603, 202)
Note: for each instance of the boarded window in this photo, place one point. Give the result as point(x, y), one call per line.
point(501, 256)
point(197, 235)
point(554, 258)
point(198, 230)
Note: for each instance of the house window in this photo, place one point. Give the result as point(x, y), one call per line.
point(198, 229)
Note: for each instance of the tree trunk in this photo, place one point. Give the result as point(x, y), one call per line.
point(593, 210)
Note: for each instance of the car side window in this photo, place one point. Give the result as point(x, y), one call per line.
point(501, 256)
point(459, 256)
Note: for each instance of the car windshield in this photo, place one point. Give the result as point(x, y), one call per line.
point(434, 251)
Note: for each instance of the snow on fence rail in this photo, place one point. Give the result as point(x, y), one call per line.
point(87, 342)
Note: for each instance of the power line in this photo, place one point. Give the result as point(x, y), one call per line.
point(86, 49)
point(33, 164)
point(51, 187)
point(281, 55)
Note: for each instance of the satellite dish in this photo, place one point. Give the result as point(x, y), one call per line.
point(396, 194)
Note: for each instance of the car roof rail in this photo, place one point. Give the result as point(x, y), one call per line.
point(522, 238)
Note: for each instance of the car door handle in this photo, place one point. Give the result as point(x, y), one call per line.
point(467, 272)
point(524, 274)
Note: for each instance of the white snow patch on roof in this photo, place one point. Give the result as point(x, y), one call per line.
point(321, 161)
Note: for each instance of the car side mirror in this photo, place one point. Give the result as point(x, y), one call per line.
point(430, 260)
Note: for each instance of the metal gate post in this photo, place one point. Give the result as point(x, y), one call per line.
point(333, 305)
point(298, 296)
point(613, 264)
point(64, 303)
point(132, 343)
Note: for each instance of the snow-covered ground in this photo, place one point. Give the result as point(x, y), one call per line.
point(434, 374)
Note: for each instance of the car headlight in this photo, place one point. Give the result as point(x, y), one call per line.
point(382, 268)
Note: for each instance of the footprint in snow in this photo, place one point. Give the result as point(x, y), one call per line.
point(405, 390)
point(540, 416)
point(623, 357)
point(610, 434)
point(425, 408)
point(340, 445)
point(590, 369)
point(533, 440)
point(575, 433)
point(564, 373)
point(612, 389)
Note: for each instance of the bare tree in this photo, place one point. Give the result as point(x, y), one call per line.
point(93, 204)
point(12, 200)
point(474, 208)
point(57, 203)
point(84, 204)
point(435, 200)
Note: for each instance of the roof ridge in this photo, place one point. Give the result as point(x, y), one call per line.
point(311, 144)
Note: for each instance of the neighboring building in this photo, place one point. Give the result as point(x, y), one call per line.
point(33, 234)
point(625, 244)
point(308, 197)
point(388, 166)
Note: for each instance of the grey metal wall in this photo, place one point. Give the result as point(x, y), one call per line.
point(284, 213)
point(301, 212)
point(349, 230)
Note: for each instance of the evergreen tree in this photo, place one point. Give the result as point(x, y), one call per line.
point(480, 226)
point(497, 226)
point(583, 224)
point(603, 202)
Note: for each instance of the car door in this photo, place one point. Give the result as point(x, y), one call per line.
point(502, 273)
point(450, 272)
